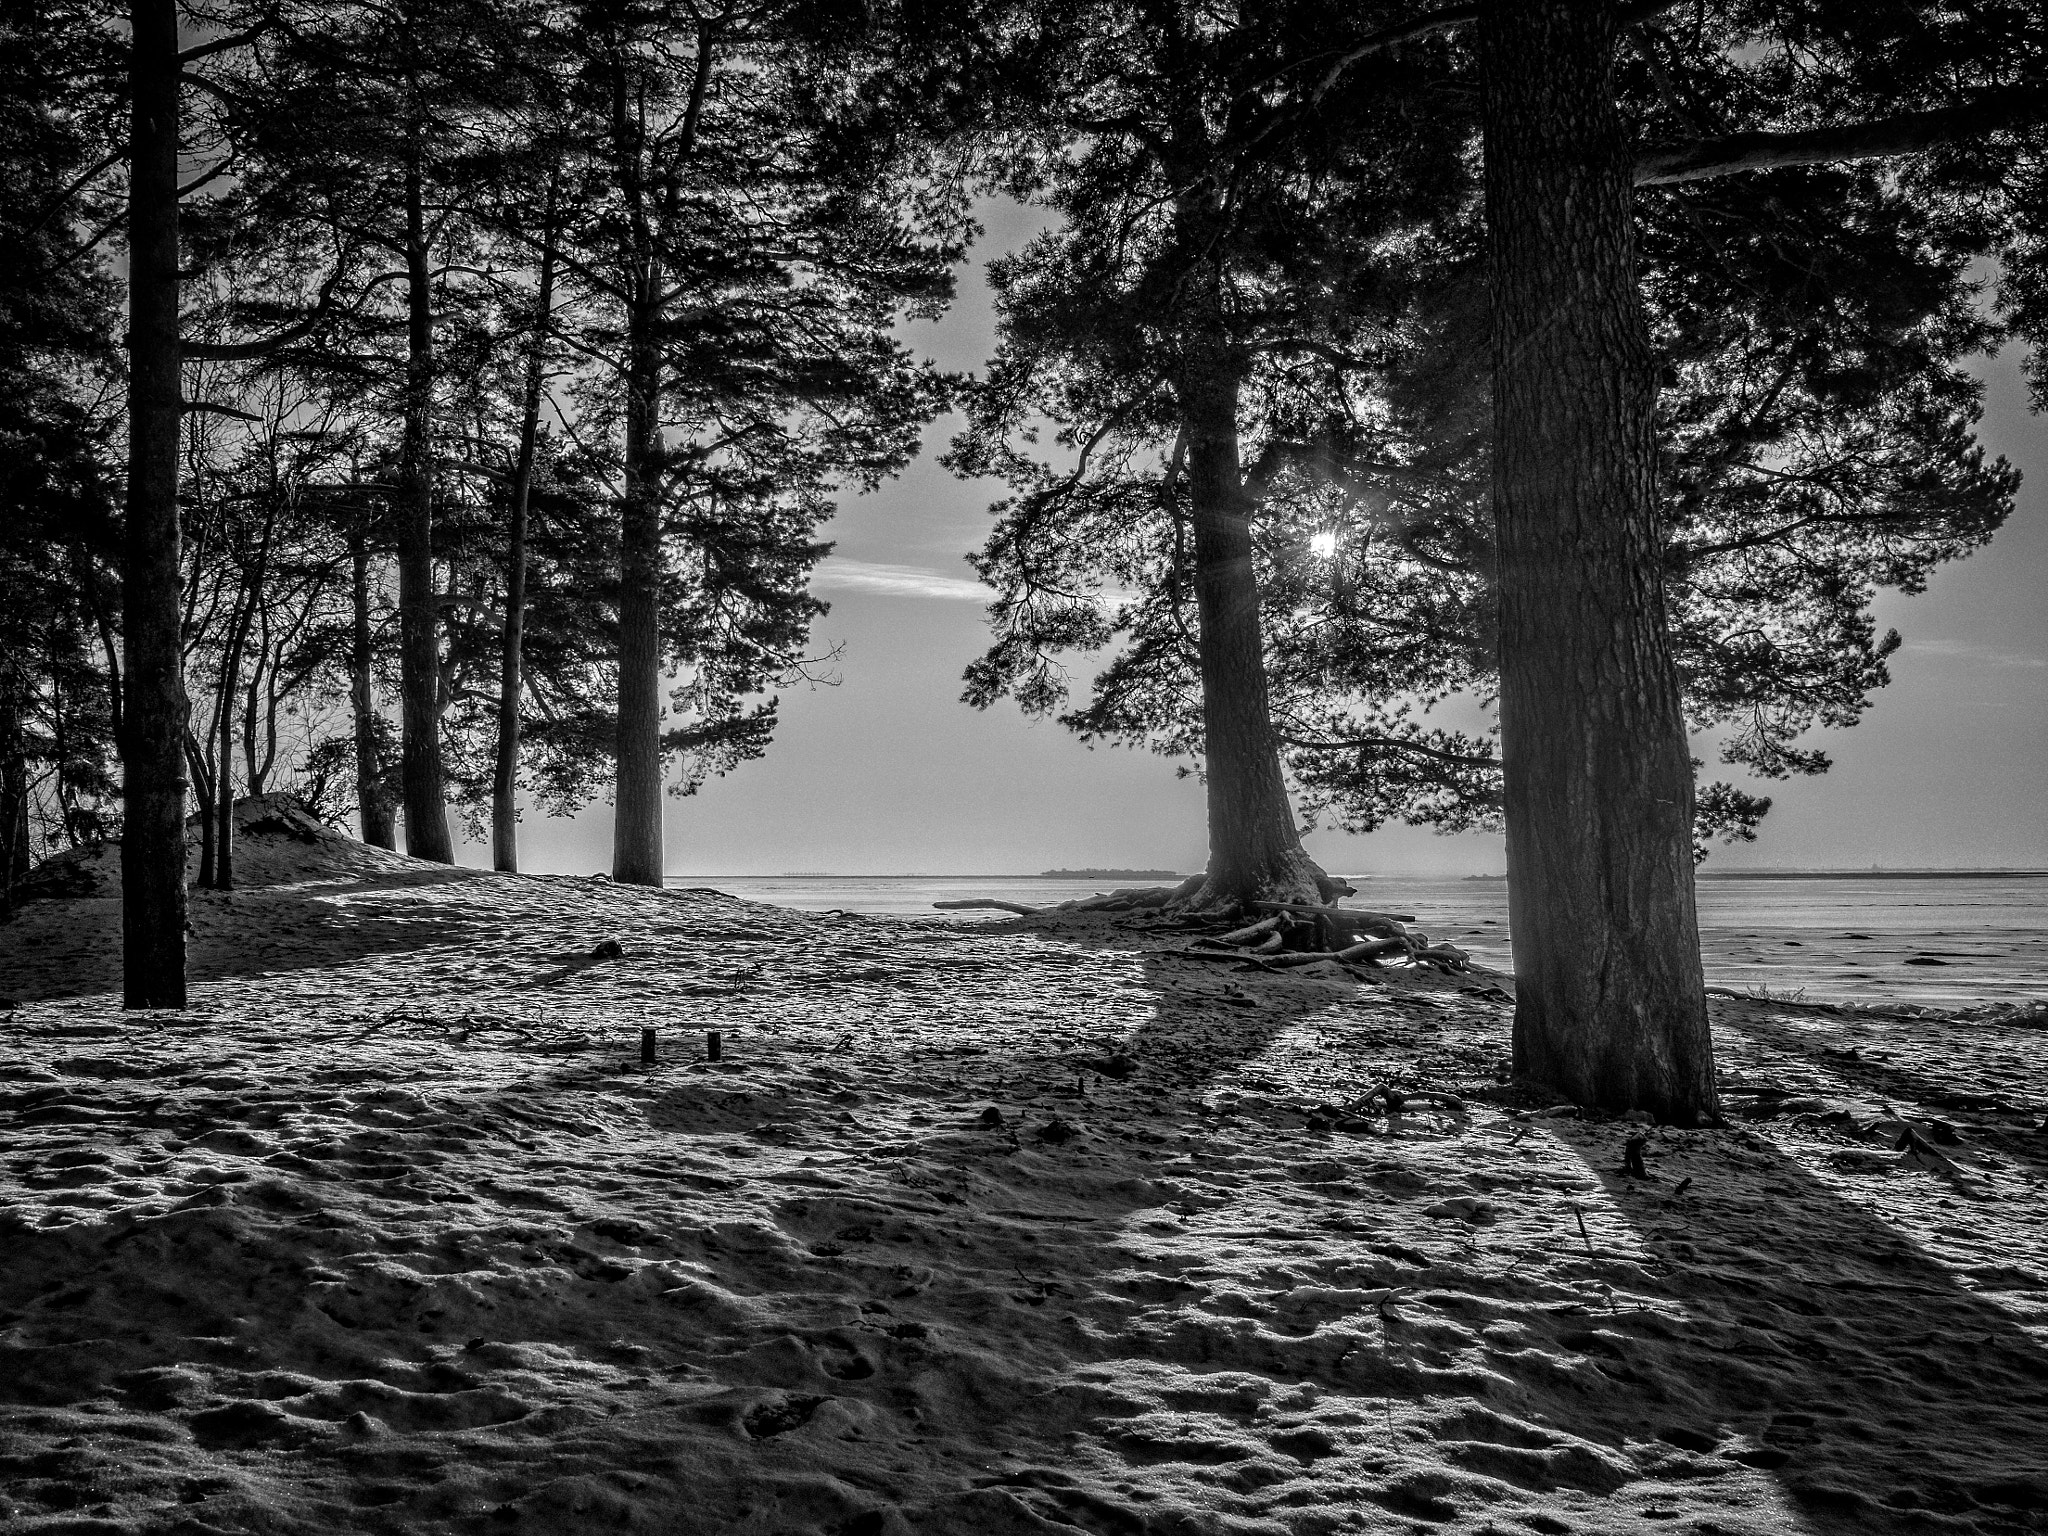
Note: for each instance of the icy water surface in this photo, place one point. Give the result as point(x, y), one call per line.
point(1923, 940)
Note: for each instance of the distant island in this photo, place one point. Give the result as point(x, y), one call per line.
point(1109, 874)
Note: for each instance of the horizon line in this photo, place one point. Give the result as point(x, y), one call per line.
point(1906, 871)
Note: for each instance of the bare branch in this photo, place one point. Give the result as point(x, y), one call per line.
point(210, 408)
point(223, 44)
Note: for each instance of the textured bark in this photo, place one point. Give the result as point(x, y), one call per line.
point(419, 627)
point(1610, 1006)
point(505, 778)
point(1255, 854)
point(153, 734)
point(372, 808)
point(636, 826)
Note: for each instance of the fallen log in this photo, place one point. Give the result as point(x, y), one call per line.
point(997, 906)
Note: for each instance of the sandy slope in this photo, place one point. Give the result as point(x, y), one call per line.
point(393, 1232)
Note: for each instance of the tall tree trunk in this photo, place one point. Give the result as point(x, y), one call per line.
point(153, 735)
point(372, 807)
point(1255, 854)
point(636, 821)
point(419, 647)
point(636, 824)
point(259, 616)
point(87, 576)
point(202, 780)
point(1610, 1006)
point(252, 701)
point(224, 755)
point(505, 776)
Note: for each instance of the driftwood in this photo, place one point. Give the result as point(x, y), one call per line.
point(1258, 930)
point(1132, 898)
point(1296, 934)
point(1289, 959)
point(1355, 916)
point(1371, 949)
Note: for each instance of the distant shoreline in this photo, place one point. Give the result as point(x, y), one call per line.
point(1873, 874)
point(1852, 874)
point(1147, 874)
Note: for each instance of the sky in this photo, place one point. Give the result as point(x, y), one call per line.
point(887, 772)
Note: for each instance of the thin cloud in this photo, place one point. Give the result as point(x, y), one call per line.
point(915, 581)
point(1979, 655)
point(898, 581)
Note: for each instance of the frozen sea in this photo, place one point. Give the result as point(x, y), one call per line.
point(1947, 939)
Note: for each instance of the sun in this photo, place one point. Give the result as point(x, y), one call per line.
point(1322, 545)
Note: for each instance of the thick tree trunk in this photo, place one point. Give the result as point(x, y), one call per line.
point(1255, 854)
point(505, 778)
point(419, 628)
point(1610, 1008)
point(373, 809)
point(153, 734)
point(636, 826)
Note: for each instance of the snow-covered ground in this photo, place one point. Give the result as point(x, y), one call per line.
point(985, 1228)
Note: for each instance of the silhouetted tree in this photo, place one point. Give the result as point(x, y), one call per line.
point(1598, 787)
point(1232, 240)
point(745, 298)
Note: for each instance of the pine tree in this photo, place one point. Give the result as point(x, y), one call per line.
point(1598, 789)
point(360, 124)
point(747, 297)
point(1228, 228)
point(61, 139)
point(153, 691)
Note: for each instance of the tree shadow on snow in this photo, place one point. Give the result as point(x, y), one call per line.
point(1811, 1340)
point(72, 947)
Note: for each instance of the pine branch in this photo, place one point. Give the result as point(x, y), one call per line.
point(1446, 17)
point(1387, 744)
point(1907, 134)
point(223, 44)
